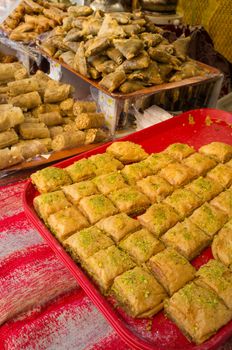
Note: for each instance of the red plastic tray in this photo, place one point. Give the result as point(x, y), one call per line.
point(158, 333)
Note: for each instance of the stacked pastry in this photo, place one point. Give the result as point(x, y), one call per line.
point(39, 115)
point(125, 50)
point(183, 199)
point(32, 18)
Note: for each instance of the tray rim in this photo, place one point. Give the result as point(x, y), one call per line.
point(85, 282)
point(213, 74)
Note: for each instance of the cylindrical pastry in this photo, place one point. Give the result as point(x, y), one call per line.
point(30, 131)
point(57, 94)
point(7, 71)
point(68, 140)
point(8, 138)
point(26, 101)
point(56, 130)
point(51, 118)
point(84, 107)
point(9, 158)
point(90, 120)
point(66, 107)
point(9, 117)
point(30, 149)
point(47, 142)
point(23, 86)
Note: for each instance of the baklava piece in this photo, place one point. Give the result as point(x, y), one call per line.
point(177, 174)
point(200, 163)
point(86, 243)
point(155, 188)
point(79, 190)
point(127, 152)
point(220, 151)
point(179, 151)
point(222, 173)
point(104, 163)
point(118, 226)
point(81, 170)
point(97, 207)
point(222, 244)
point(134, 172)
point(141, 245)
point(224, 202)
point(65, 222)
point(50, 179)
point(157, 161)
point(139, 293)
point(187, 239)
point(183, 201)
point(171, 269)
point(209, 219)
point(110, 182)
point(159, 218)
point(216, 276)
point(229, 163)
point(49, 203)
point(197, 311)
point(130, 201)
point(107, 264)
point(205, 188)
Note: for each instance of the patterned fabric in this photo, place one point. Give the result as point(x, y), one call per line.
point(215, 16)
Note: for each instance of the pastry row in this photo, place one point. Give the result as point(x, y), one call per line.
point(31, 18)
point(39, 115)
point(124, 51)
point(145, 263)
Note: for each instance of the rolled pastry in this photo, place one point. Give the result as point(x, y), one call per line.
point(113, 80)
point(7, 71)
point(30, 149)
point(51, 118)
point(66, 107)
point(56, 130)
point(57, 94)
point(30, 131)
point(22, 86)
point(68, 140)
point(9, 158)
point(95, 135)
point(10, 117)
point(8, 138)
point(26, 101)
point(21, 73)
point(90, 120)
point(84, 107)
point(26, 37)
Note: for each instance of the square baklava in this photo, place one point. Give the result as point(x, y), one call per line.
point(118, 226)
point(50, 179)
point(81, 170)
point(209, 219)
point(107, 264)
point(49, 203)
point(159, 218)
point(141, 245)
point(183, 201)
point(66, 221)
point(87, 242)
point(220, 151)
point(205, 188)
point(129, 200)
point(179, 151)
point(97, 207)
point(110, 182)
point(139, 293)
point(79, 190)
point(197, 311)
point(200, 163)
point(222, 244)
point(187, 239)
point(155, 188)
point(171, 269)
point(177, 174)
